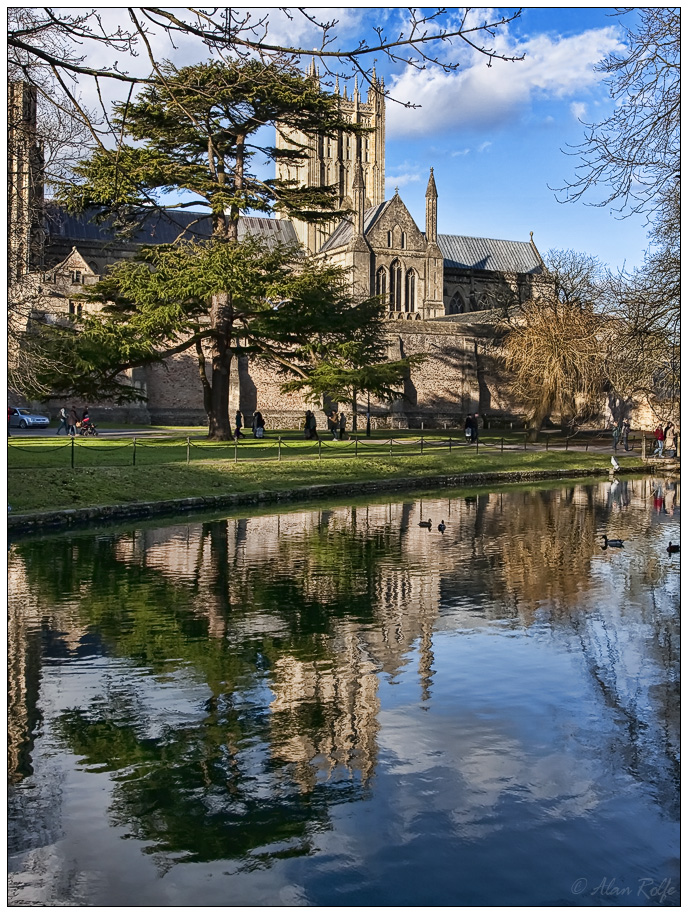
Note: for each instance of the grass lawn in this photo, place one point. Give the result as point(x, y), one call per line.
point(112, 472)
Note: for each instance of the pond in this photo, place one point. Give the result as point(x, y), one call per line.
point(335, 706)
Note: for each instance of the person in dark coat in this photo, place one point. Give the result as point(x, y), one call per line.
point(238, 423)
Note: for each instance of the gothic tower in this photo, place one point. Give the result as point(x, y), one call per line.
point(332, 160)
point(25, 182)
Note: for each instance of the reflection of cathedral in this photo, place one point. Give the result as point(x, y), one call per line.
point(439, 289)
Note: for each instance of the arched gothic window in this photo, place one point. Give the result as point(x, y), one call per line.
point(410, 291)
point(457, 304)
point(382, 282)
point(389, 239)
point(403, 240)
point(395, 286)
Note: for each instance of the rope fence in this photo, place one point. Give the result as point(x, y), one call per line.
point(160, 451)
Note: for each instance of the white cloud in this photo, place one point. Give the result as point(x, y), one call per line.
point(484, 146)
point(578, 110)
point(392, 181)
point(482, 96)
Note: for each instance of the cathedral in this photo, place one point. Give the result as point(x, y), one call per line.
point(441, 290)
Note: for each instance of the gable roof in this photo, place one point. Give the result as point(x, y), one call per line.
point(343, 233)
point(464, 252)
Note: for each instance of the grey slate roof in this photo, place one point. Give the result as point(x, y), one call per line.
point(464, 252)
point(160, 228)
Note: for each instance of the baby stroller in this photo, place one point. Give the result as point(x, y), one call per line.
point(86, 427)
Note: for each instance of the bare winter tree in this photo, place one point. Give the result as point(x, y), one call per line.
point(63, 41)
point(635, 153)
point(551, 346)
point(635, 156)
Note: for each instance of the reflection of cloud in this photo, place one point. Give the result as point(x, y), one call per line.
point(480, 96)
point(478, 766)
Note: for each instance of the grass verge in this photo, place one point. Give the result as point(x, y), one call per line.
point(35, 489)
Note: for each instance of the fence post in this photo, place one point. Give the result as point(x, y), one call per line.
point(502, 444)
point(566, 443)
point(643, 447)
point(187, 449)
point(356, 446)
point(421, 440)
point(390, 446)
point(279, 447)
point(72, 452)
point(525, 443)
point(236, 442)
point(477, 445)
point(587, 445)
point(450, 444)
point(134, 454)
point(547, 442)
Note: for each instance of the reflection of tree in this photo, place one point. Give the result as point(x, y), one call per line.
point(288, 622)
point(198, 790)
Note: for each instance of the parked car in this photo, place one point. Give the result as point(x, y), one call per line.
point(20, 418)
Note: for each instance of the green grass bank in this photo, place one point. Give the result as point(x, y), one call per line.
point(37, 484)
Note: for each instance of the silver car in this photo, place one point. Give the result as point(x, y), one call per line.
point(24, 419)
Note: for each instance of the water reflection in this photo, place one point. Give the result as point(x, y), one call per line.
point(235, 681)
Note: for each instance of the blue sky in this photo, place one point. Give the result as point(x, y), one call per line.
point(495, 136)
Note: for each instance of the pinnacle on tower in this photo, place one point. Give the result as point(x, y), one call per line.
point(431, 190)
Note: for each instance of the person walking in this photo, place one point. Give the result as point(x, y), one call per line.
point(63, 421)
point(474, 429)
point(313, 424)
point(343, 426)
point(616, 433)
point(72, 420)
point(669, 436)
point(625, 434)
point(259, 424)
point(659, 436)
point(238, 423)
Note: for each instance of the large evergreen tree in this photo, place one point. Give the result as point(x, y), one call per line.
point(198, 130)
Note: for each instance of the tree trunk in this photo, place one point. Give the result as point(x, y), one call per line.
point(219, 428)
point(535, 421)
point(354, 409)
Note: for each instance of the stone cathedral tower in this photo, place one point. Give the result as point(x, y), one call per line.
point(332, 160)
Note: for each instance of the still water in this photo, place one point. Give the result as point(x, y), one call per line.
point(338, 707)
